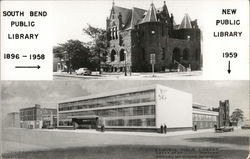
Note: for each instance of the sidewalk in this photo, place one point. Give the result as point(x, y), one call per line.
point(176, 133)
point(136, 75)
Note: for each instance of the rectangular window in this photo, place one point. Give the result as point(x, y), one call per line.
point(150, 121)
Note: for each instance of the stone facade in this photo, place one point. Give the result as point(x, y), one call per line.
point(134, 34)
point(224, 118)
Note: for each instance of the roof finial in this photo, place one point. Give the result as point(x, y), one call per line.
point(113, 3)
point(164, 2)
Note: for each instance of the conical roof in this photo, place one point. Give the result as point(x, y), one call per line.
point(186, 22)
point(150, 15)
point(165, 8)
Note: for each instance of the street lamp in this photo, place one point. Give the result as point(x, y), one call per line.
point(125, 52)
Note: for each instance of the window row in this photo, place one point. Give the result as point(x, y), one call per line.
point(116, 112)
point(30, 112)
point(143, 122)
point(24, 118)
point(124, 99)
point(204, 117)
point(131, 122)
point(114, 33)
point(205, 124)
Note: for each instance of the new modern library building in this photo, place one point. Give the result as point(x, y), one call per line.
point(137, 109)
point(145, 108)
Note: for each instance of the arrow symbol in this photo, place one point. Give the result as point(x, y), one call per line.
point(229, 70)
point(28, 67)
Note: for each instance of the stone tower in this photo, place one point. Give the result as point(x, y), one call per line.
point(224, 119)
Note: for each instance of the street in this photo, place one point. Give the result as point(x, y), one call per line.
point(194, 75)
point(25, 143)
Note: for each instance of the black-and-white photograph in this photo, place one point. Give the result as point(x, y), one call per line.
point(125, 119)
point(125, 79)
point(129, 40)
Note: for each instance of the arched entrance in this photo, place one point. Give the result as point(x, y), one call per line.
point(186, 54)
point(176, 55)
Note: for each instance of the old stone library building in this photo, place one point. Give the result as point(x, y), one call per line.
point(134, 34)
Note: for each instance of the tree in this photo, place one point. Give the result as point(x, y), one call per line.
point(98, 46)
point(75, 54)
point(237, 116)
point(58, 52)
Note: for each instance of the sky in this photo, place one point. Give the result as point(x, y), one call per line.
point(70, 17)
point(16, 95)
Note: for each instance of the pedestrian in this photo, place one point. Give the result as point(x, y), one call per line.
point(161, 129)
point(195, 127)
point(102, 128)
point(165, 129)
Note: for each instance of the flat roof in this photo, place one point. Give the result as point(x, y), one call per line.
point(116, 92)
point(110, 93)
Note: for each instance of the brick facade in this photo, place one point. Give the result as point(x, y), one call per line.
point(134, 34)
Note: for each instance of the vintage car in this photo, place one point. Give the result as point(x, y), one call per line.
point(224, 129)
point(246, 126)
point(83, 71)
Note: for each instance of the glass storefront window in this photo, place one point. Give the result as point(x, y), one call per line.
point(122, 114)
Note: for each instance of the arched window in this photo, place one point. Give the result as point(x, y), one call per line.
point(186, 54)
point(122, 55)
point(113, 54)
point(176, 54)
point(111, 34)
point(116, 34)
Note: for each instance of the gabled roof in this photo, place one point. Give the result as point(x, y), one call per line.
point(150, 15)
point(136, 16)
point(186, 22)
point(124, 12)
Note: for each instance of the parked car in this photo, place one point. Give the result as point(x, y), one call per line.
point(83, 71)
point(246, 126)
point(224, 129)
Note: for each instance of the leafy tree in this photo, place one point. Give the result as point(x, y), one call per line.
point(75, 54)
point(58, 52)
point(98, 45)
point(237, 116)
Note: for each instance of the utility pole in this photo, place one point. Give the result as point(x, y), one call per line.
point(125, 70)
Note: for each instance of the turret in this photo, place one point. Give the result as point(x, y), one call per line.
point(186, 22)
point(150, 15)
point(172, 21)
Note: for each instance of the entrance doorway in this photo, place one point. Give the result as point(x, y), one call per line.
point(85, 122)
point(176, 55)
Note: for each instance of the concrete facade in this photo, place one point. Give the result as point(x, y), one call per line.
point(169, 103)
point(136, 109)
point(134, 34)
